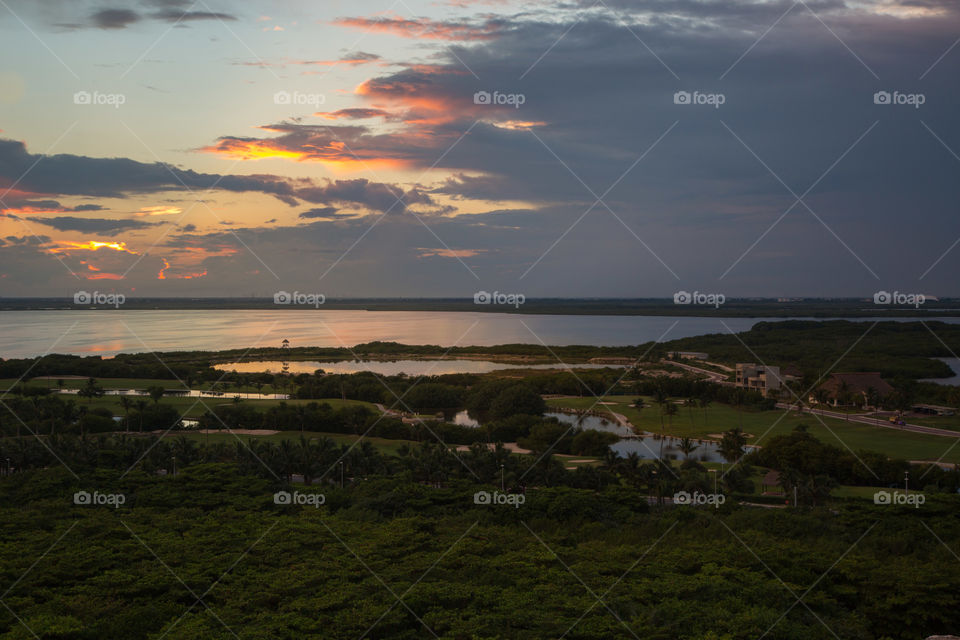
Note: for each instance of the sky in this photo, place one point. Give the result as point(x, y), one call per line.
point(438, 148)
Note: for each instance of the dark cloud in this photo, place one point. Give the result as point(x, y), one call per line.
point(375, 196)
point(114, 18)
point(98, 226)
point(67, 174)
point(324, 213)
point(177, 16)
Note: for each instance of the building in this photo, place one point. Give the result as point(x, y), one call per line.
point(766, 380)
point(771, 484)
point(692, 355)
point(933, 410)
point(853, 388)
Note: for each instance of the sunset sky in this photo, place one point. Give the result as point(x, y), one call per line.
point(213, 148)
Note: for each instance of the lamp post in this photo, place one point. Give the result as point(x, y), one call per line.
point(341, 474)
point(714, 472)
point(174, 466)
point(501, 479)
point(906, 482)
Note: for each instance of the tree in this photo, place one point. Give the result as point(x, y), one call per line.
point(732, 443)
point(687, 446)
point(516, 400)
point(669, 409)
point(156, 392)
point(91, 390)
point(705, 402)
point(141, 406)
point(126, 404)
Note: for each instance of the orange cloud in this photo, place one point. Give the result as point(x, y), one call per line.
point(448, 253)
point(98, 274)
point(159, 211)
point(319, 147)
point(162, 275)
point(423, 28)
point(66, 246)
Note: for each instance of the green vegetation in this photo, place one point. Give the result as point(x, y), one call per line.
point(761, 426)
point(199, 547)
point(894, 349)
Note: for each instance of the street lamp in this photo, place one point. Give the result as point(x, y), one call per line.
point(341, 474)
point(714, 472)
point(501, 479)
point(906, 481)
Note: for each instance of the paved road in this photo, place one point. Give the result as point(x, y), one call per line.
point(883, 422)
point(719, 378)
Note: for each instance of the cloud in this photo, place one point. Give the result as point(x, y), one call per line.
point(354, 114)
point(176, 16)
point(425, 28)
point(325, 213)
point(350, 59)
point(336, 146)
point(114, 18)
point(67, 174)
point(98, 226)
point(375, 196)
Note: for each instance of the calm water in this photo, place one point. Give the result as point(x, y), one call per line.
point(32, 333)
point(391, 367)
point(646, 448)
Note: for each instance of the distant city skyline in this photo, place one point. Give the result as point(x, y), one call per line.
point(169, 148)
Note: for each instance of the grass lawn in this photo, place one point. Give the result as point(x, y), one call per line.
point(196, 407)
point(940, 422)
point(762, 425)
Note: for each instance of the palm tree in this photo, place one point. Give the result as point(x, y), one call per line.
point(126, 404)
point(301, 412)
point(670, 409)
point(690, 402)
point(687, 446)
point(141, 407)
point(731, 446)
point(704, 403)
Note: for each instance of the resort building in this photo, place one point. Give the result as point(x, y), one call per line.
point(933, 410)
point(691, 355)
point(853, 388)
point(766, 380)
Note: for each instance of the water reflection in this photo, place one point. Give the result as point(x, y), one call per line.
point(647, 445)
